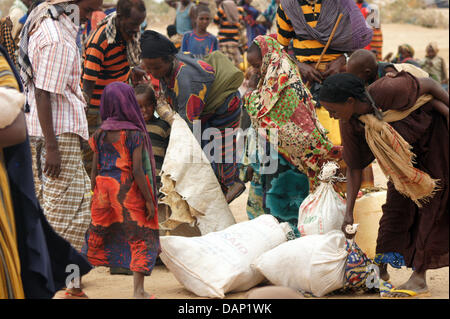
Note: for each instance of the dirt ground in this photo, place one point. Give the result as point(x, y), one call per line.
point(99, 284)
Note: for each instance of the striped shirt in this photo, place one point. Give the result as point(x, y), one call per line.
point(228, 31)
point(159, 132)
point(7, 78)
point(104, 62)
point(55, 61)
point(305, 50)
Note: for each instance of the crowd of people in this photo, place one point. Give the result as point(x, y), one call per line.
point(88, 113)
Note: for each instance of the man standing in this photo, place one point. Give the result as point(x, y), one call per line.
point(112, 54)
point(309, 23)
point(50, 62)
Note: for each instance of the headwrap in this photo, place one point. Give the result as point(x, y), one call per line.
point(339, 88)
point(155, 45)
point(408, 48)
point(434, 46)
point(352, 33)
point(392, 152)
point(278, 71)
point(119, 110)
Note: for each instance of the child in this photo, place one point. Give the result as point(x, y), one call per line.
point(199, 41)
point(435, 65)
point(157, 128)
point(229, 19)
point(124, 228)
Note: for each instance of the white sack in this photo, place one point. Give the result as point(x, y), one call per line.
point(324, 209)
point(314, 263)
point(219, 262)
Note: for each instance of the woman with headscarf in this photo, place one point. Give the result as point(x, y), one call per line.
point(201, 94)
point(279, 100)
point(124, 229)
point(405, 54)
point(401, 121)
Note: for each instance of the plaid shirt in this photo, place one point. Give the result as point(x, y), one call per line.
point(55, 61)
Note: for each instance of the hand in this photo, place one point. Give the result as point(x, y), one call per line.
point(334, 67)
point(138, 76)
point(388, 57)
point(52, 161)
point(150, 209)
point(309, 73)
point(347, 221)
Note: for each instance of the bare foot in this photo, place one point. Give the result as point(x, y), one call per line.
point(142, 295)
point(384, 273)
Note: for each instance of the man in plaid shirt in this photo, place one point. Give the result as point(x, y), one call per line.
point(50, 61)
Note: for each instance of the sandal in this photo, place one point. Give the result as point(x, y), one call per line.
point(407, 293)
point(68, 294)
point(237, 193)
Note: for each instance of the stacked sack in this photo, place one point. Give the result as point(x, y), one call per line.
point(320, 255)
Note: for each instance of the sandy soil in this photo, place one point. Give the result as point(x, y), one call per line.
point(100, 284)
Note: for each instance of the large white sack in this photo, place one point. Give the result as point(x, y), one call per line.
point(219, 262)
point(190, 186)
point(324, 209)
point(314, 263)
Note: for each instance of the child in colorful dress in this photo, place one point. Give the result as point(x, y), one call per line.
point(124, 228)
point(200, 41)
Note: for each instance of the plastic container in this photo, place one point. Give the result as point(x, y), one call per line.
point(367, 213)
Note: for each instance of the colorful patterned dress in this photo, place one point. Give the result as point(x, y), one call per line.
point(282, 112)
point(119, 234)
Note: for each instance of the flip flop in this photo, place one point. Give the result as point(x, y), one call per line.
point(407, 292)
point(75, 295)
point(239, 193)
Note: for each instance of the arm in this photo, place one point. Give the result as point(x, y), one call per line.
point(444, 73)
point(430, 86)
point(94, 56)
point(15, 133)
point(354, 177)
point(88, 89)
point(141, 181)
point(94, 170)
point(44, 110)
point(441, 108)
point(171, 3)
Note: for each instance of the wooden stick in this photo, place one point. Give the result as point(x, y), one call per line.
point(328, 43)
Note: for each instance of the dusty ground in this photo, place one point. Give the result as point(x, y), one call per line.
point(100, 284)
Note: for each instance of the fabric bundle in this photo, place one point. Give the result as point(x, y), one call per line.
point(394, 154)
point(352, 33)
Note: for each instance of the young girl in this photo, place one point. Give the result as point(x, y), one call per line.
point(124, 228)
point(200, 41)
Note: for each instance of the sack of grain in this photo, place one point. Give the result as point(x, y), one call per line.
point(219, 262)
point(314, 264)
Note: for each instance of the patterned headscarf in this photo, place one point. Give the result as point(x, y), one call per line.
point(278, 71)
point(408, 48)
